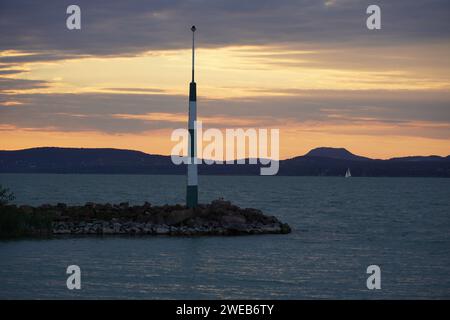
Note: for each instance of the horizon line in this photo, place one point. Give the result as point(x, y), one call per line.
point(235, 159)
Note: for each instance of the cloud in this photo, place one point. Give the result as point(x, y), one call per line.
point(11, 71)
point(88, 112)
point(134, 90)
point(9, 103)
point(112, 27)
point(9, 84)
point(217, 121)
point(415, 113)
point(36, 57)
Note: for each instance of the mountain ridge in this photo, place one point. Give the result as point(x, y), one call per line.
point(334, 153)
point(312, 153)
point(322, 161)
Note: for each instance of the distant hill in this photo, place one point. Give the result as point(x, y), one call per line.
point(334, 153)
point(420, 158)
point(318, 162)
point(81, 160)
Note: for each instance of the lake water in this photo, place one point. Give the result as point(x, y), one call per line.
point(340, 226)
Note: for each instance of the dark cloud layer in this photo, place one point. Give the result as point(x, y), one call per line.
point(127, 27)
point(89, 112)
point(10, 71)
point(8, 84)
point(69, 112)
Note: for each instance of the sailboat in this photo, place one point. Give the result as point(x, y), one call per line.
point(348, 174)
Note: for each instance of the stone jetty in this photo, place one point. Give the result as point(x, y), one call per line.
point(217, 218)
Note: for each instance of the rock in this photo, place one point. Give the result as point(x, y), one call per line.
point(26, 209)
point(163, 229)
point(158, 218)
point(90, 205)
point(123, 205)
point(176, 217)
point(147, 205)
point(116, 227)
point(269, 228)
point(60, 205)
point(233, 220)
point(107, 230)
point(285, 228)
point(220, 203)
point(61, 231)
point(146, 230)
point(220, 217)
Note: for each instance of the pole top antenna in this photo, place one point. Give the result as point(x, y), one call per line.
point(193, 28)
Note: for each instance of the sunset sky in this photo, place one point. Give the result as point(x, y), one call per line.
point(308, 67)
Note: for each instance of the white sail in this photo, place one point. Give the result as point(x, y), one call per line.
point(348, 174)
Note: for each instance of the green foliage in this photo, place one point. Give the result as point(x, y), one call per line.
point(16, 223)
point(11, 222)
point(6, 196)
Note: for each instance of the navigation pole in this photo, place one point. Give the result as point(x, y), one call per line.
point(192, 174)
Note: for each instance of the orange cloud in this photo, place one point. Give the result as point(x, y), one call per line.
point(10, 103)
point(294, 141)
point(208, 120)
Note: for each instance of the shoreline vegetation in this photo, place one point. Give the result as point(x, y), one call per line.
point(217, 218)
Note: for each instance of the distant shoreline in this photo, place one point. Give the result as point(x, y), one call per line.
point(218, 175)
point(317, 162)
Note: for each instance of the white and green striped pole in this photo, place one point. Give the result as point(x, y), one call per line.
point(192, 174)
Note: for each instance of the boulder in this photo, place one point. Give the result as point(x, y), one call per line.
point(233, 220)
point(178, 216)
point(107, 230)
point(26, 209)
point(163, 229)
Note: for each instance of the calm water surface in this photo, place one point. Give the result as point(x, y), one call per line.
point(340, 226)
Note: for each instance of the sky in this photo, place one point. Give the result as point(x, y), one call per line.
point(309, 68)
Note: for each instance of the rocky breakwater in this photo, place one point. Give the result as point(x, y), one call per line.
point(217, 218)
